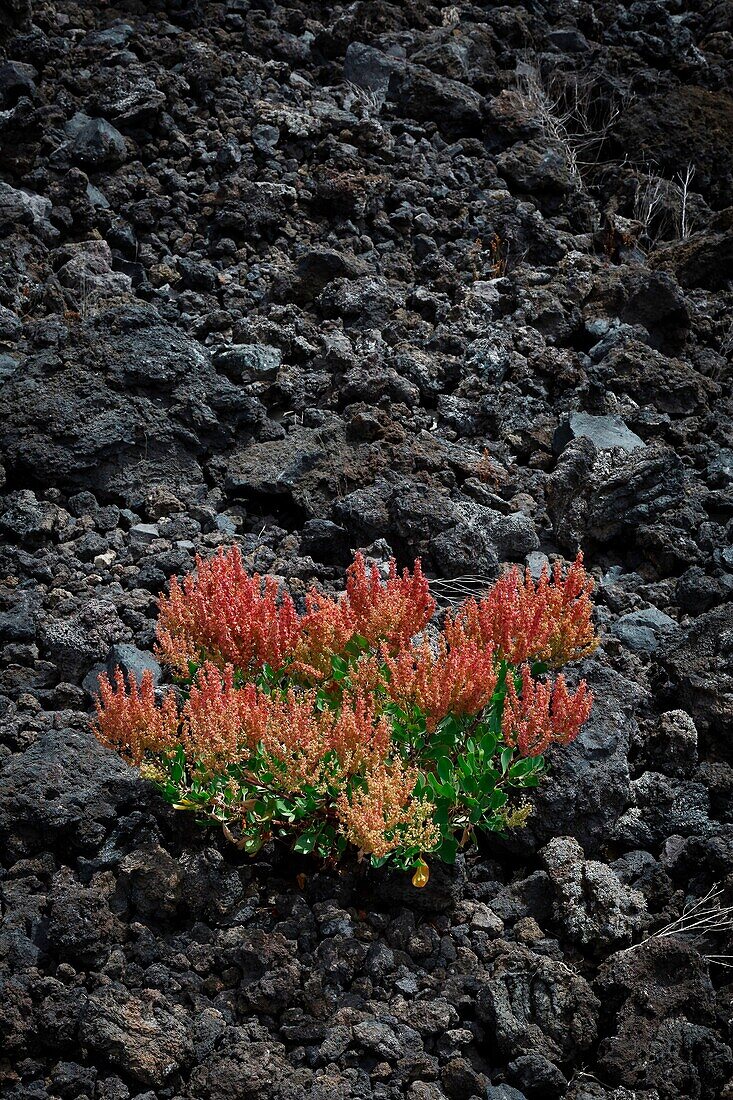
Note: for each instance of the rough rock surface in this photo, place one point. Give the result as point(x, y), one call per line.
point(315, 278)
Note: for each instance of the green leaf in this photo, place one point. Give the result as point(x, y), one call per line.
point(339, 667)
point(379, 861)
point(448, 849)
point(434, 782)
point(356, 646)
point(306, 842)
point(506, 758)
point(488, 744)
point(444, 769)
point(252, 843)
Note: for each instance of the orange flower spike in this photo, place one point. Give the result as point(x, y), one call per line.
point(358, 735)
point(232, 616)
point(548, 621)
point(325, 629)
point(569, 712)
point(295, 737)
point(460, 679)
point(129, 720)
point(526, 717)
point(214, 727)
point(390, 611)
point(385, 815)
point(543, 713)
point(573, 636)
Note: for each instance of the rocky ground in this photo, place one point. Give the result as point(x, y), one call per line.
point(412, 276)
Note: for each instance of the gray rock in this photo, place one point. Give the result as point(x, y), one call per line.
point(253, 362)
point(535, 167)
point(369, 68)
point(20, 615)
point(481, 539)
point(142, 534)
point(589, 495)
point(113, 37)
point(63, 793)
point(145, 1039)
point(11, 326)
point(592, 907)
point(97, 144)
point(367, 301)
point(88, 273)
point(532, 1004)
point(660, 999)
point(484, 919)
point(16, 80)
point(325, 541)
point(19, 207)
point(664, 807)
point(378, 1038)
point(133, 662)
point(427, 96)
point(226, 525)
point(489, 358)
point(538, 1076)
point(465, 549)
point(643, 631)
point(720, 469)
point(27, 518)
point(8, 367)
point(672, 747)
point(504, 1092)
point(319, 267)
point(514, 536)
point(568, 40)
point(700, 667)
point(536, 562)
point(78, 639)
point(605, 432)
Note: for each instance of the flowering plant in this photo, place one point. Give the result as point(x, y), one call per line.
point(355, 723)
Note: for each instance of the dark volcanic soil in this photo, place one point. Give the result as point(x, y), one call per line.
point(417, 276)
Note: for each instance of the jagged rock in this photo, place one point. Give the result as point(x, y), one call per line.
point(425, 95)
point(28, 518)
point(701, 670)
point(77, 640)
point(368, 67)
point(592, 907)
point(251, 361)
point(16, 80)
point(659, 1000)
point(96, 144)
point(672, 747)
point(530, 1004)
point(129, 389)
point(64, 792)
point(20, 207)
point(644, 631)
point(143, 1039)
point(664, 807)
point(134, 662)
point(592, 497)
point(538, 1076)
point(603, 431)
